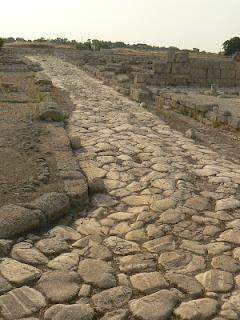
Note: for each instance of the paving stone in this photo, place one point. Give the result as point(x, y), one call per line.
point(200, 309)
point(5, 286)
point(138, 263)
point(65, 233)
point(120, 246)
point(112, 298)
point(120, 314)
point(25, 252)
point(174, 259)
point(91, 227)
point(52, 246)
point(59, 286)
point(225, 263)
point(66, 261)
point(165, 243)
point(138, 200)
point(171, 217)
point(26, 302)
point(164, 204)
point(157, 306)
point(97, 273)
point(18, 273)
point(102, 200)
point(227, 204)
point(198, 203)
point(148, 282)
point(216, 280)
point(231, 235)
point(71, 312)
point(185, 283)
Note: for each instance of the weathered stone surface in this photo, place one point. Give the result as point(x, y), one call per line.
point(71, 312)
point(66, 261)
point(148, 282)
point(50, 111)
point(21, 303)
point(138, 263)
point(98, 273)
point(59, 286)
point(112, 298)
point(52, 246)
point(185, 283)
point(120, 314)
point(5, 286)
point(15, 220)
point(65, 233)
point(216, 280)
point(198, 203)
point(18, 273)
point(232, 236)
point(157, 306)
point(159, 245)
point(227, 204)
point(120, 246)
point(197, 309)
point(225, 263)
point(52, 204)
point(25, 252)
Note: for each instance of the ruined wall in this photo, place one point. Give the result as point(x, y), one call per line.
point(181, 70)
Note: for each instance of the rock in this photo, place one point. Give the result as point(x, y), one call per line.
point(231, 235)
point(227, 204)
point(148, 282)
point(91, 226)
point(65, 233)
point(216, 280)
point(174, 259)
point(191, 134)
point(157, 306)
point(120, 246)
point(18, 273)
point(5, 247)
point(52, 246)
point(225, 263)
point(162, 205)
point(66, 261)
point(112, 298)
point(5, 286)
point(138, 200)
point(50, 111)
point(52, 204)
point(71, 312)
point(138, 263)
point(171, 217)
point(121, 216)
point(233, 303)
point(97, 251)
point(200, 309)
point(75, 142)
point(59, 286)
point(187, 284)
point(102, 200)
point(15, 220)
point(85, 290)
point(198, 203)
point(137, 235)
point(21, 302)
point(162, 244)
point(193, 246)
point(98, 273)
point(25, 252)
point(120, 314)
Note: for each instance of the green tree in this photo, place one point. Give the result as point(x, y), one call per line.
point(1, 43)
point(231, 46)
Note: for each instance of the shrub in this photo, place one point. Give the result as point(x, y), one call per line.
point(1, 43)
point(231, 46)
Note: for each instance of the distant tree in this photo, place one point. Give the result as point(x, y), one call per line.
point(231, 46)
point(1, 43)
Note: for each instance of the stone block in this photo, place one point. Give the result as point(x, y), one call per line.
point(178, 80)
point(142, 78)
point(198, 73)
point(21, 302)
point(180, 68)
point(228, 74)
point(234, 122)
point(204, 107)
point(182, 56)
point(162, 67)
point(50, 111)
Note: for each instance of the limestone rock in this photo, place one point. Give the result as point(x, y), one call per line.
point(98, 273)
point(112, 298)
point(148, 282)
point(59, 286)
point(18, 273)
point(21, 302)
point(157, 306)
point(216, 280)
point(25, 252)
point(200, 309)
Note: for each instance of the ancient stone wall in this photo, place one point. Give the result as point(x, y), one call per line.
point(181, 70)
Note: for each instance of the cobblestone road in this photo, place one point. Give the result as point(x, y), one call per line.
point(161, 238)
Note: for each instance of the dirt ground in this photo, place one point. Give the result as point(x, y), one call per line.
point(27, 170)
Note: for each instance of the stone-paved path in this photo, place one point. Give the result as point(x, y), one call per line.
point(161, 238)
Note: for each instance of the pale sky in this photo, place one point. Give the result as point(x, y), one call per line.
point(203, 24)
